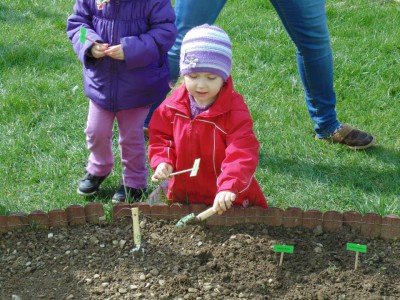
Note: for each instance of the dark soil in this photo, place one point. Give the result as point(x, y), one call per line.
point(96, 262)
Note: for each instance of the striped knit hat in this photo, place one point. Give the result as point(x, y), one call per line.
point(206, 48)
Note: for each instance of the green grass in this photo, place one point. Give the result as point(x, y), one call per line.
point(43, 109)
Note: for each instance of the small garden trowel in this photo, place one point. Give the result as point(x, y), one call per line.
point(193, 219)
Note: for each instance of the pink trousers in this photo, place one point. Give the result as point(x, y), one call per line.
point(99, 133)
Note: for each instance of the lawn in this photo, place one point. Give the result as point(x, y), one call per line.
point(43, 108)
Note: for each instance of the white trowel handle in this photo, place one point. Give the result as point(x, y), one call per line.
point(180, 172)
point(205, 214)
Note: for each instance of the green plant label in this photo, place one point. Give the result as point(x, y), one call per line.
point(82, 35)
point(283, 248)
point(356, 247)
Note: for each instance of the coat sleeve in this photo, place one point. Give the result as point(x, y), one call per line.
point(146, 48)
point(82, 17)
point(161, 142)
point(241, 153)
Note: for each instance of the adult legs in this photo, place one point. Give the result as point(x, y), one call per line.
point(306, 24)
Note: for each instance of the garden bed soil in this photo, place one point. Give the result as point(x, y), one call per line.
point(199, 262)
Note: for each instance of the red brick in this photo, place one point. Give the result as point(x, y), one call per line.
point(121, 210)
point(76, 215)
point(17, 221)
point(197, 208)
point(58, 218)
point(332, 221)
point(216, 220)
point(390, 227)
point(230, 219)
point(94, 211)
point(178, 210)
point(240, 214)
point(253, 214)
point(273, 216)
point(160, 211)
point(352, 219)
point(312, 219)
point(3, 223)
point(39, 219)
point(371, 225)
point(144, 208)
point(292, 217)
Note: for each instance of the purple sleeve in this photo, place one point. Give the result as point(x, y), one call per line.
point(146, 48)
point(81, 17)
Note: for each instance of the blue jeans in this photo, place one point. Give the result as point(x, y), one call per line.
point(306, 23)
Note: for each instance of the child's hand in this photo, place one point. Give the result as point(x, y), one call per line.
point(98, 50)
point(223, 201)
point(162, 172)
point(115, 52)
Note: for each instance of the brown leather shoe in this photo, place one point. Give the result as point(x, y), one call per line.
point(352, 137)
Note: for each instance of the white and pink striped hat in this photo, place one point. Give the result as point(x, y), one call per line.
point(206, 48)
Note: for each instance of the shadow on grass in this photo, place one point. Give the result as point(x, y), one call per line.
point(367, 178)
point(103, 195)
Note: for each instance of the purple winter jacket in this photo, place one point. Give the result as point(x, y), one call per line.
point(146, 31)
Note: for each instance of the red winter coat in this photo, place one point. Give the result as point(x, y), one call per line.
point(222, 137)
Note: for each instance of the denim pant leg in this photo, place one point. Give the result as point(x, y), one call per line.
point(189, 14)
point(132, 146)
point(151, 111)
point(306, 23)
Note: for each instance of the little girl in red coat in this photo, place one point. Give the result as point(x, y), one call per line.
point(206, 118)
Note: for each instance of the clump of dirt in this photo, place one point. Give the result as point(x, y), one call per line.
point(200, 262)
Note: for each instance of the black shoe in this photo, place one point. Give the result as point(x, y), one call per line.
point(126, 193)
point(89, 184)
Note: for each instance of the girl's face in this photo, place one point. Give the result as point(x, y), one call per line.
point(204, 87)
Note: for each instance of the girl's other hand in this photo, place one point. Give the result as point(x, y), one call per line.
point(115, 52)
point(98, 50)
point(223, 201)
point(162, 172)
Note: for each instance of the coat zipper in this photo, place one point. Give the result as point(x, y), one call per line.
point(114, 65)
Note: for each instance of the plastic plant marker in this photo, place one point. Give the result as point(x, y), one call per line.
point(82, 35)
point(357, 248)
point(283, 249)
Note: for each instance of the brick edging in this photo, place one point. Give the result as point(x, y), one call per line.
point(369, 225)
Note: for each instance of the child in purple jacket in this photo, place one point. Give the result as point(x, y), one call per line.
point(124, 72)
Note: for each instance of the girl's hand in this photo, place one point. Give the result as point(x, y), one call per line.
point(223, 201)
point(98, 50)
point(115, 52)
point(162, 172)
